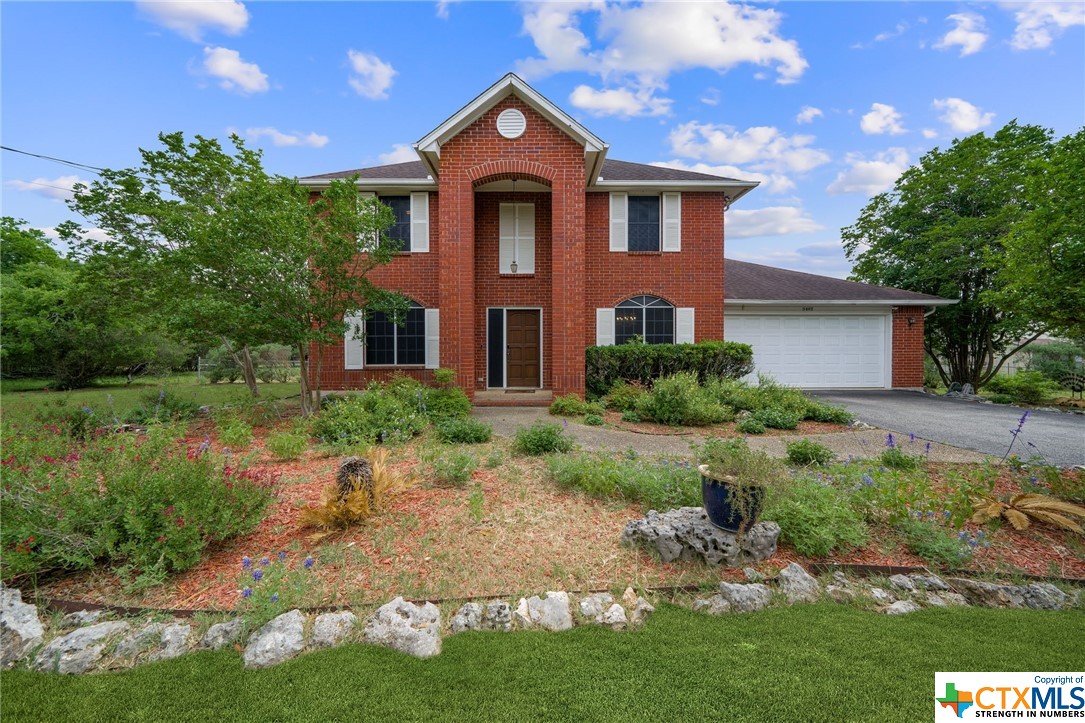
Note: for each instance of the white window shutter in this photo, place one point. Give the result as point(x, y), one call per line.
point(525, 238)
point(353, 350)
point(419, 222)
point(672, 222)
point(619, 221)
point(367, 242)
point(604, 327)
point(433, 338)
point(507, 235)
point(683, 326)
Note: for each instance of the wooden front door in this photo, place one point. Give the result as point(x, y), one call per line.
point(523, 357)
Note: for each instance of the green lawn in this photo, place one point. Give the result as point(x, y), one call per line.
point(21, 396)
point(820, 662)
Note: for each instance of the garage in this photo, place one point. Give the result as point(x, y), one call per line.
point(815, 351)
point(817, 332)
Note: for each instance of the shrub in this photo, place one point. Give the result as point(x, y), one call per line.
point(338, 511)
point(644, 363)
point(287, 445)
point(233, 432)
point(159, 406)
point(630, 415)
point(593, 420)
point(1024, 387)
point(778, 418)
point(222, 366)
point(660, 484)
point(444, 377)
point(377, 415)
point(542, 438)
point(895, 458)
point(1055, 360)
point(934, 543)
point(815, 517)
point(445, 403)
point(571, 405)
point(822, 412)
point(272, 362)
point(624, 396)
point(463, 431)
point(679, 400)
point(750, 425)
point(453, 469)
point(808, 452)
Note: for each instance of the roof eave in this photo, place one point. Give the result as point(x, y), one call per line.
point(842, 302)
point(426, 184)
point(740, 188)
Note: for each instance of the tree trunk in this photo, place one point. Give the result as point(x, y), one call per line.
point(303, 380)
point(244, 360)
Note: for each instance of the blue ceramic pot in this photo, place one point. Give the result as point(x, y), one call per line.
point(723, 501)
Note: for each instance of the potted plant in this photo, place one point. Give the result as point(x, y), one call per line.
point(734, 480)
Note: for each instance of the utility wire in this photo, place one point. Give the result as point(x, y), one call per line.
point(73, 164)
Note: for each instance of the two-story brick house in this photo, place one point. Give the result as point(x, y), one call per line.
point(523, 244)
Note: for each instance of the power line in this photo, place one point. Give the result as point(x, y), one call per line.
point(73, 164)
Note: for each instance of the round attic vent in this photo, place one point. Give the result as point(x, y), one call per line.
point(511, 123)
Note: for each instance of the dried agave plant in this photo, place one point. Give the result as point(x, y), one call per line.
point(1022, 509)
point(356, 496)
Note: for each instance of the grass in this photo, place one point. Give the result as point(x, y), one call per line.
point(784, 664)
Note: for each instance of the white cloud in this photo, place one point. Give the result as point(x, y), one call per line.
point(771, 221)
point(59, 188)
point(620, 102)
point(962, 116)
point(400, 153)
point(280, 139)
point(442, 8)
point(770, 182)
point(882, 119)
point(970, 32)
point(235, 74)
point(711, 97)
point(930, 133)
point(189, 19)
point(870, 176)
point(372, 76)
point(826, 258)
point(900, 29)
point(1039, 22)
point(62, 246)
point(808, 114)
point(765, 147)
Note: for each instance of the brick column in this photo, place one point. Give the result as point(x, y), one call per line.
point(908, 347)
point(457, 278)
point(568, 328)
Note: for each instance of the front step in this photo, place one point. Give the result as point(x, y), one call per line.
point(514, 398)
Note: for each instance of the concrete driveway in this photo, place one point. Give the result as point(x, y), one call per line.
point(986, 428)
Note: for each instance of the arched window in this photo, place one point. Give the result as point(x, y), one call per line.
point(649, 317)
point(389, 343)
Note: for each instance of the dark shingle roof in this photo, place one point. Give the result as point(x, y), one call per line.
point(746, 281)
point(612, 171)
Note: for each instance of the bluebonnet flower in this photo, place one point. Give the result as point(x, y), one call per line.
point(246, 562)
point(565, 422)
point(911, 437)
point(927, 450)
point(282, 555)
point(308, 562)
point(962, 534)
point(889, 441)
point(257, 575)
point(868, 480)
point(274, 598)
point(265, 561)
point(88, 411)
point(247, 592)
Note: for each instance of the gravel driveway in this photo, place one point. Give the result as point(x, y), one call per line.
point(1058, 436)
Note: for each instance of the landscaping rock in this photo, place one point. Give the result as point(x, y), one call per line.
point(174, 642)
point(753, 575)
point(1037, 595)
point(929, 582)
point(330, 629)
point(840, 593)
point(139, 641)
point(1044, 596)
point(220, 635)
point(78, 650)
point(902, 607)
point(641, 610)
point(469, 617)
point(902, 582)
point(406, 627)
point(593, 606)
point(629, 597)
point(278, 641)
point(549, 613)
point(715, 605)
point(745, 598)
point(798, 585)
point(686, 534)
point(20, 627)
point(945, 599)
point(881, 596)
point(614, 617)
point(84, 617)
point(498, 616)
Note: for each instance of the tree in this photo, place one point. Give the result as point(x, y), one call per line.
point(942, 230)
point(211, 243)
point(1043, 272)
point(21, 246)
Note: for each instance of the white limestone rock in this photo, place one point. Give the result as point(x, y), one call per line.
point(552, 612)
point(20, 627)
point(221, 635)
point(468, 617)
point(278, 641)
point(78, 650)
point(330, 629)
point(798, 585)
point(406, 627)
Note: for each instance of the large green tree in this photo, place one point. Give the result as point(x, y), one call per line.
point(943, 230)
point(1043, 272)
point(206, 240)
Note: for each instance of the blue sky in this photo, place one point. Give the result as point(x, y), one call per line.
point(825, 103)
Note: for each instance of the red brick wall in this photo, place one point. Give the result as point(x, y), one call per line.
point(908, 346)
point(692, 277)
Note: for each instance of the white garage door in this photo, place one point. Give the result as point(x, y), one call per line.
point(814, 351)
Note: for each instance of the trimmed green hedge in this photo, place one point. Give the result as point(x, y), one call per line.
point(644, 363)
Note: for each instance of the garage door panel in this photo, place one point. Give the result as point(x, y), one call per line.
point(814, 351)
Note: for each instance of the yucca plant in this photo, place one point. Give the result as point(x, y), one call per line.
point(355, 497)
point(1022, 509)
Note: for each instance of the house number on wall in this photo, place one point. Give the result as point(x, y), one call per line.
point(807, 308)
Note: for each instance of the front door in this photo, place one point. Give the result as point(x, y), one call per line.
point(522, 355)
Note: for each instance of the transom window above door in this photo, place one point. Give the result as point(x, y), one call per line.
point(648, 317)
point(517, 242)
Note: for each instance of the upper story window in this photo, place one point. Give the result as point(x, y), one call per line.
point(388, 343)
point(411, 226)
point(648, 317)
point(401, 229)
point(517, 243)
point(644, 223)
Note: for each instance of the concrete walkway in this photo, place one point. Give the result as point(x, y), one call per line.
point(859, 443)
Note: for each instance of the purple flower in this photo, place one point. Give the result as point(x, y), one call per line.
point(274, 598)
point(889, 441)
point(246, 562)
point(565, 422)
point(927, 451)
point(282, 555)
point(911, 437)
point(257, 575)
point(868, 480)
point(308, 562)
point(265, 561)
point(247, 592)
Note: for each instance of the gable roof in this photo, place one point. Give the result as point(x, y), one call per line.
point(748, 283)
